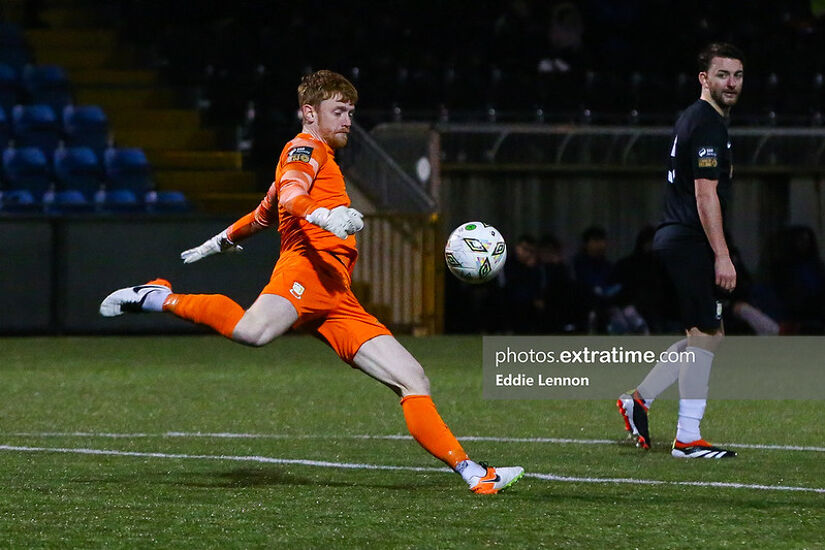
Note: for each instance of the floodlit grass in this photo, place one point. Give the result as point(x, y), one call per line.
point(306, 405)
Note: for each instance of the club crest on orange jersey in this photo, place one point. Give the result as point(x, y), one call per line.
point(297, 290)
point(301, 153)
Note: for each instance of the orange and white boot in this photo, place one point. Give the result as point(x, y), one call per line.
point(495, 480)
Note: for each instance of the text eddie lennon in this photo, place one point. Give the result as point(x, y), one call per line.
point(545, 368)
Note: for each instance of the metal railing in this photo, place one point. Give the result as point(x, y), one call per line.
point(380, 177)
point(791, 149)
point(399, 274)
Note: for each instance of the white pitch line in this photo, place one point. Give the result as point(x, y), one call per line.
point(773, 447)
point(719, 484)
point(228, 435)
point(363, 466)
point(235, 458)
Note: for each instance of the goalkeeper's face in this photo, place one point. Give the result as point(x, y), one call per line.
point(333, 119)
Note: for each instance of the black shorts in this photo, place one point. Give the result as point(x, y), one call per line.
point(689, 262)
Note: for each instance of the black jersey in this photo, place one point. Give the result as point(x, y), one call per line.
point(700, 149)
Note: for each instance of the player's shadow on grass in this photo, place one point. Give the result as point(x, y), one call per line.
point(272, 477)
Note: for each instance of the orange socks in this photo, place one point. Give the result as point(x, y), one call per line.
point(214, 310)
point(427, 427)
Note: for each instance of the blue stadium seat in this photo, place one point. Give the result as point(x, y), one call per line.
point(127, 168)
point(86, 126)
point(35, 126)
point(5, 132)
point(27, 168)
point(9, 87)
point(47, 85)
point(69, 201)
point(78, 168)
point(167, 201)
point(18, 201)
point(119, 200)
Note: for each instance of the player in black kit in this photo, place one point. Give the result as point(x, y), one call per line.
point(691, 243)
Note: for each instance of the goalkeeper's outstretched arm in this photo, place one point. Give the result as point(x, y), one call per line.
point(228, 239)
point(293, 195)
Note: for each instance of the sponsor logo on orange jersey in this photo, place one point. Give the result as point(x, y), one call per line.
point(297, 290)
point(299, 154)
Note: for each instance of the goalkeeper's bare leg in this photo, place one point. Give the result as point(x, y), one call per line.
point(269, 317)
point(266, 319)
point(386, 360)
point(382, 358)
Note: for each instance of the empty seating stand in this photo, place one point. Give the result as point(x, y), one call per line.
point(78, 168)
point(127, 168)
point(26, 168)
point(167, 202)
point(36, 126)
point(68, 201)
point(118, 201)
point(86, 126)
point(19, 201)
point(47, 85)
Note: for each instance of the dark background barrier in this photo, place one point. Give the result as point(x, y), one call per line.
point(26, 275)
point(54, 273)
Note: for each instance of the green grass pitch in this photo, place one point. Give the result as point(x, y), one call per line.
point(298, 403)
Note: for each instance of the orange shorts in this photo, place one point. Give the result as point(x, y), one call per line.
point(318, 285)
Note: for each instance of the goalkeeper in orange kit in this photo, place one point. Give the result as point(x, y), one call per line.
point(310, 286)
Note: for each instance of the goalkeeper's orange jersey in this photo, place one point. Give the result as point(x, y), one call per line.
point(316, 160)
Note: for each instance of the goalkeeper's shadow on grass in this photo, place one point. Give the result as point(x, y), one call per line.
point(272, 477)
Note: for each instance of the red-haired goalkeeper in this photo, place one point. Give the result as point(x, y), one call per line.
point(310, 286)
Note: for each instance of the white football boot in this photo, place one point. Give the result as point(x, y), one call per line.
point(495, 480)
point(133, 298)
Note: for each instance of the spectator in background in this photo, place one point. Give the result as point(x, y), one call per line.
point(472, 309)
point(741, 303)
point(562, 310)
point(641, 302)
point(592, 271)
point(798, 278)
point(521, 288)
point(564, 38)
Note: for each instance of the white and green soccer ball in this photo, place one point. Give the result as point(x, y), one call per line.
point(475, 252)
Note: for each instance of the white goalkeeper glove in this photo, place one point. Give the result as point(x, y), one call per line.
point(355, 221)
point(340, 221)
point(217, 244)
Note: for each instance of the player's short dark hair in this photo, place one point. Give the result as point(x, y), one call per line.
point(320, 85)
point(718, 49)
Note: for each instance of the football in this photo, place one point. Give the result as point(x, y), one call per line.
point(475, 252)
